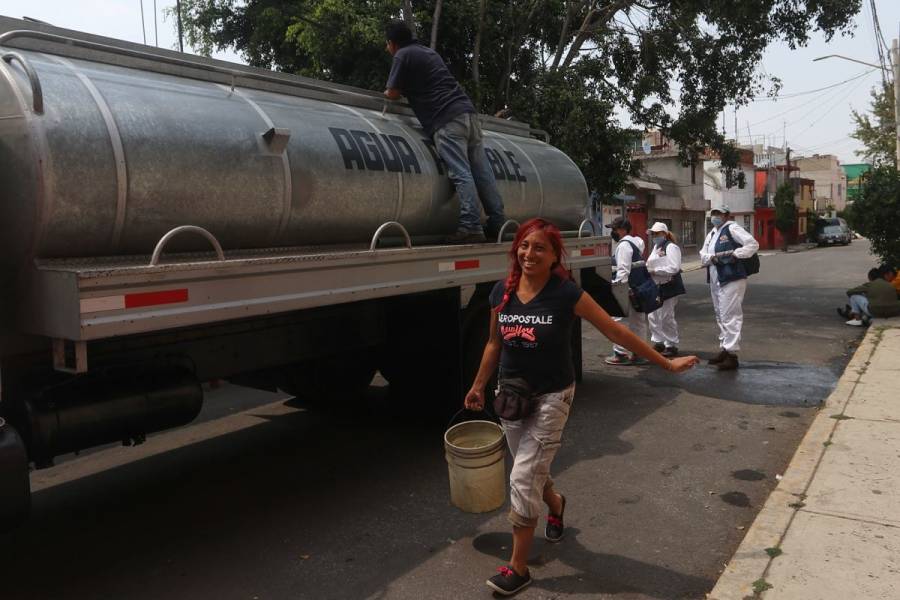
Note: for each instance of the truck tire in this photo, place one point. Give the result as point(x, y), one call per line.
point(334, 378)
point(15, 485)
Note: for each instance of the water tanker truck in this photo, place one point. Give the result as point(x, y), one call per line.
point(167, 220)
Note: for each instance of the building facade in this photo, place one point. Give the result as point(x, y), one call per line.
point(737, 191)
point(856, 177)
point(669, 191)
point(830, 181)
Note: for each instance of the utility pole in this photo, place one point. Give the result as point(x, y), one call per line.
point(895, 59)
point(178, 14)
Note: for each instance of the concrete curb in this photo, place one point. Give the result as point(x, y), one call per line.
point(751, 562)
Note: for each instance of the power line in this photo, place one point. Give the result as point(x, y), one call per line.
point(821, 102)
point(821, 89)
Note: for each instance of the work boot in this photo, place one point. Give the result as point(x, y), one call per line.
point(670, 352)
point(718, 358)
point(729, 363)
point(659, 347)
point(464, 236)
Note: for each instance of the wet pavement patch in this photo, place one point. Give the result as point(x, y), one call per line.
point(736, 499)
point(789, 413)
point(758, 382)
point(748, 475)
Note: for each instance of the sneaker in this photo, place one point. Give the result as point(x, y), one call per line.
point(718, 358)
point(659, 347)
point(507, 582)
point(729, 363)
point(855, 323)
point(464, 236)
point(555, 527)
point(619, 360)
point(639, 362)
point(670, 352)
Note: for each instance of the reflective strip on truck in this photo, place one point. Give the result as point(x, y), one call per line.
point(459, 265)
point(136, 300)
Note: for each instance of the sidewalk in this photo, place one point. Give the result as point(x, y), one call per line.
point(831, 529)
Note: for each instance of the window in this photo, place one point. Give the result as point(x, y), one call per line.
point(747, 223)
point(688, 233)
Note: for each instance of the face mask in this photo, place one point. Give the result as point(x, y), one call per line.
point(716, 221)
point(659, 241)
point(615, 236)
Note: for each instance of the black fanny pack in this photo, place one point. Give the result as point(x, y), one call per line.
point(514, 400)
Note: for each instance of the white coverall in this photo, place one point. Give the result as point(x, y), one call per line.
point(635, 321)
point(663, 265)
point(728, 299)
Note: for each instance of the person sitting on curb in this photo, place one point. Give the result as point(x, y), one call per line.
point(629, 250)
point(857, 312)
point(883, 301)
point(725, 245)
point(448, 115)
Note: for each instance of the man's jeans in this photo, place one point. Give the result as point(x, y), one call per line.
point(859, 305)
point(460, 147)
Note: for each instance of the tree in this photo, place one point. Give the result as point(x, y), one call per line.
point(878, 133)
point(876, 213)
point(785, 211)
point(671, 66)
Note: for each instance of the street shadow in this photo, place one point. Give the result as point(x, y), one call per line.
point(597, 572)
point(340, 486)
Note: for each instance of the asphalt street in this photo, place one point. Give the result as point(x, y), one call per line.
point(267, 498)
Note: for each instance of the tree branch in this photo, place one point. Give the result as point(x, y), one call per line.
point(438, 5)
point(476, 53)
point(593, 21)
point(563, 34)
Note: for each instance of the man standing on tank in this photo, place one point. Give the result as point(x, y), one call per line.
point(448, 115)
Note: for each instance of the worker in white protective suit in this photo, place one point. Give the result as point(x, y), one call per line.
point(664, 264)
point(726, 245)
point(628, 255)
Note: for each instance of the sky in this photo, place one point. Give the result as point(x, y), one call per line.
point(810, 122)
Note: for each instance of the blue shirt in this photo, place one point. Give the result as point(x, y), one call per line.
point(419, 73)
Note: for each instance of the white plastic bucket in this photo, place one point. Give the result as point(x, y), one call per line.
point(475, 451)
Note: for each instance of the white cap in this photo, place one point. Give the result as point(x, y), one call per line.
point(722, 208)
point(658, 227)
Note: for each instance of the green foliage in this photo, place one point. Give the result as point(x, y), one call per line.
point(774, 552)
point(760, 586)
point(876, 213)
point(878, 134)
point(571, 67)
point(785, 209)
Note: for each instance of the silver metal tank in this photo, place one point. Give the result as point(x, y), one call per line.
point(103, 152)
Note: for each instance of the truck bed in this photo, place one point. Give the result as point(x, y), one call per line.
point(95, 298)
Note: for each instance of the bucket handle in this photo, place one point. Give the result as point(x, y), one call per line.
point(485, 411)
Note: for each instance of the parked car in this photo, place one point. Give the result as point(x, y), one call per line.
point(834, 234)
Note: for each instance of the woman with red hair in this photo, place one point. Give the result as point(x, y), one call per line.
point(534, 309)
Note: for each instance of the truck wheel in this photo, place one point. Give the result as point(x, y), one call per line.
point(15, 485)
point(343, 377)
